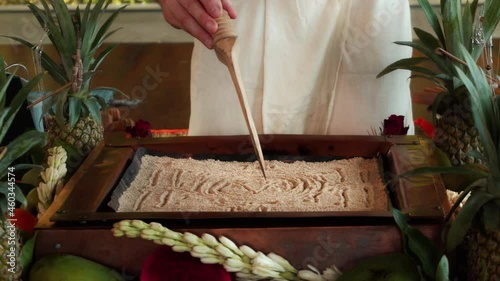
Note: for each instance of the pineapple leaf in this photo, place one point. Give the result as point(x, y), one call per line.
point(491, 215)
point(67, 28)
point(424, 249)
point(99, 38)
point(443, 270)
point(102, 55)
point(467, 25)
point(453, 26)
point(48, 64)
point(115, 90)
point(75, 107)
point(463, 221)
point(433, 20)
point(491, 17)
point(60, 107)
point(87, 76)
point(440, 62)
point(427, 39)
point(462, 197)
point(102, 103)
point(93, 107)
point(20, 145)
point(482, 103)
point(46, 20)
point(406, 64)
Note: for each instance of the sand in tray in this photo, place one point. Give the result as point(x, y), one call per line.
point(165, 184)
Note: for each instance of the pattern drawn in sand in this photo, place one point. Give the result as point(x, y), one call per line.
point(165, 184)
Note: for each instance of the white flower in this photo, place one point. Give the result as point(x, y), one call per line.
point(230, 244)
point(332, 273)
point(265, 272)
point(262, 261)
point(224, 251)
point(310, 275)
point(191, 238)
point(249, 252)
point(209, 240)
point(281, 261)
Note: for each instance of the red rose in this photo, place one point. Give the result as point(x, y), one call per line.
point(142, 129)
point(395, 125)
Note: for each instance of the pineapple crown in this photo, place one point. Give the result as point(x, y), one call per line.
point(459, 26)
point(20, 145)
point(77, 37)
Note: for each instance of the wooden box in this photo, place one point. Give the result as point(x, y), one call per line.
point(79, 221)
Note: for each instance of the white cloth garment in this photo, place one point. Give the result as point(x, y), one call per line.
point(309, 67)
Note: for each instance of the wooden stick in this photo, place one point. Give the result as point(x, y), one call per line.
point(443, 52)
point(48, 96)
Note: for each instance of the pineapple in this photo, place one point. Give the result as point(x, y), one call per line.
point(77, 37)
point(455, 132)
point(9, 153)
point(477, 222)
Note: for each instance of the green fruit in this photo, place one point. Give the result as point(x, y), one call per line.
point(393, 267)
point(71, 268)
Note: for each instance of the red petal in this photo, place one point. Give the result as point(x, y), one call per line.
point(426, 127)
point(24, 220)
point(167, 265)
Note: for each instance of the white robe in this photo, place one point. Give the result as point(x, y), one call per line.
point(309, 67)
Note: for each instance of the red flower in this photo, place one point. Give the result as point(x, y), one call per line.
point(142, 129)
point(24, 220)
point(395, 125)
point(426, 127)
point(167, 265)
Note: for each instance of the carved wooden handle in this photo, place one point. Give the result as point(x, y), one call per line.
point(225, 28)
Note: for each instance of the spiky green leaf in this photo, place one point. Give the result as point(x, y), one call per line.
point(75, 108)
point(440, 61)
point(427, 39)
point(28, 250)
point(20, 145)
point(433, 20)
point(407, 64)
point(462, 223)
point(6, 188)
point(102, 55)
point(94, 109)
point(98, 40)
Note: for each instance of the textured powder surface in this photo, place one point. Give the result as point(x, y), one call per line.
point(166, 184)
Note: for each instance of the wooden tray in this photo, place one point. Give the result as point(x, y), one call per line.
point(87, 194)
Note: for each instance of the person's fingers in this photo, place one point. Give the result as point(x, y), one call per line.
point(213, 7)
point(169, 17)
point(226, 5)
point(189, 24)
point(199, 13)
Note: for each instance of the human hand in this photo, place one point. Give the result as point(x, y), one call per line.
point(197, 17)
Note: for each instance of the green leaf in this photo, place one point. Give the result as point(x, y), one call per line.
point(16, 104)
point(3, 89)
point(443, 270)
point(33, 176)
point(102, 55)
point(468, 25)
point(407, 64)
point(400, 219)
point(440, 61)
point(472, 187)
point(452, 25)
point(433, 20)
point(105, 27)
point(462, 223)
point(5, 188)
point(27, 252)
point(75, 108)
point(20, 145)
point(93, 107)
point(423, 248)
point(54, 70)
point(427, 39)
